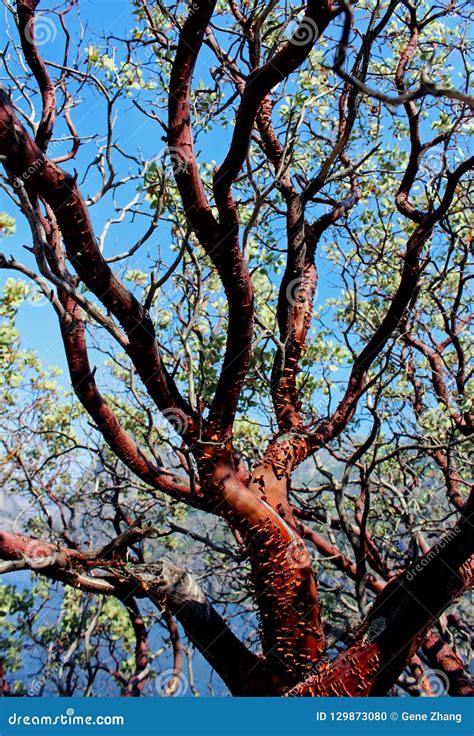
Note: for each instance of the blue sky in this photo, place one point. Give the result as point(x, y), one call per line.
point(37, 323)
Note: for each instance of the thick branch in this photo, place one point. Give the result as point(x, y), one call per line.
point(166, 585)
point(441, 656)
point(219, 240)
point(26, 24)
point(175, 590)
point(23, 158)
point(393, 318)
point(400, 617)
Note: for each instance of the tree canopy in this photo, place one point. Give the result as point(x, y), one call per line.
point(247, 226)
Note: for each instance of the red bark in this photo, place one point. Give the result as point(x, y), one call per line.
point(26, 22)
point(399, 618)
point(256, 505)
point(442, 657)
point(42, 178)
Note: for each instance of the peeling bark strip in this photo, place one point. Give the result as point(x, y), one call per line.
point(283, 581)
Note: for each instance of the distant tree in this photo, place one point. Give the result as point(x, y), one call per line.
point(304, 455)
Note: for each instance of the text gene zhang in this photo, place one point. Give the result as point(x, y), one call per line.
point(434, 715)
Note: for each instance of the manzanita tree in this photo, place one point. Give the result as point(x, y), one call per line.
point(234, 406)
